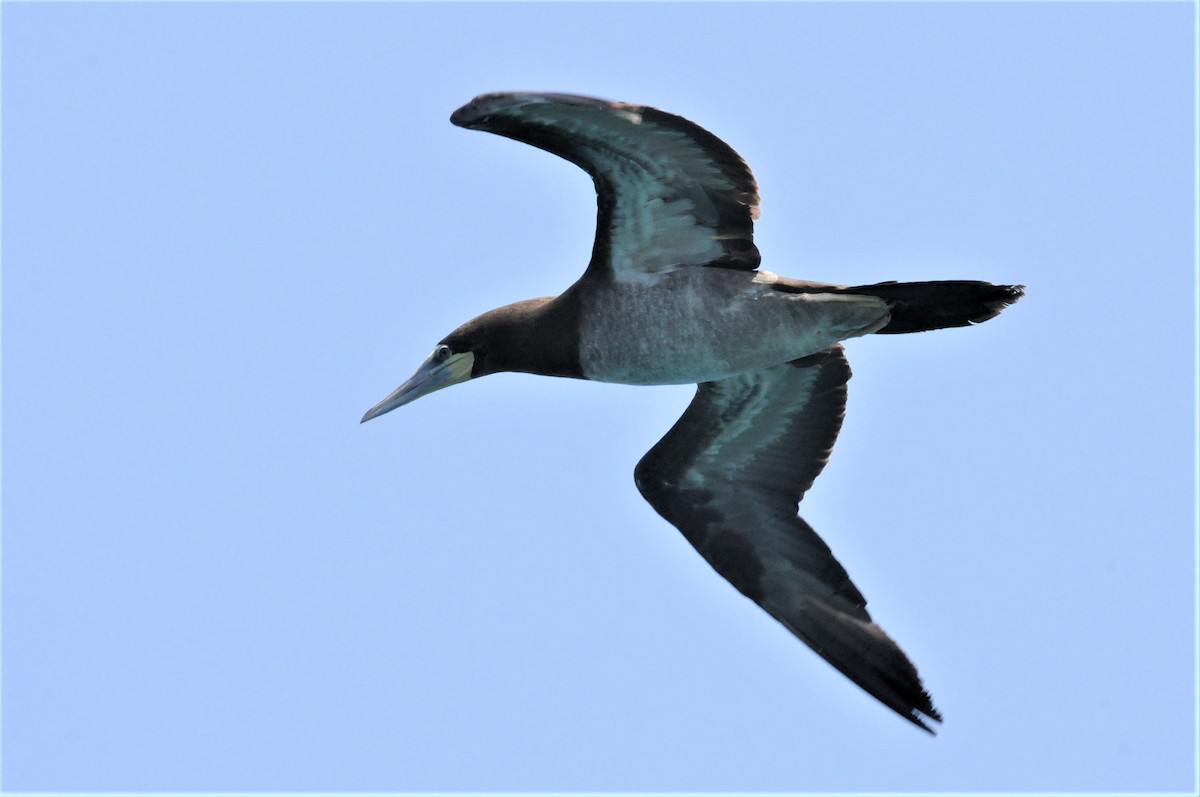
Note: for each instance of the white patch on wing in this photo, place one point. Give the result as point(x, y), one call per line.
point(629, 112)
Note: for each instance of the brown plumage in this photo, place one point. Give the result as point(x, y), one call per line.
point(673, 295)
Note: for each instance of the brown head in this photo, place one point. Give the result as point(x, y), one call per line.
point(538, 336)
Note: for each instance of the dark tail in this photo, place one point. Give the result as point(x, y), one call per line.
point(922, 306)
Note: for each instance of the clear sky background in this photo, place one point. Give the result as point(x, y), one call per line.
point(230, 229)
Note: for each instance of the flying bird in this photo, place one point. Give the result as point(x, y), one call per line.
point(673, 294)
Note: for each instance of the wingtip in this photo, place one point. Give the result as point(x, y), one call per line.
point(922, 716)
point(492, 103)
point(476, 113)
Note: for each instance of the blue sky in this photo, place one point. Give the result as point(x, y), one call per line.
point(229, 229)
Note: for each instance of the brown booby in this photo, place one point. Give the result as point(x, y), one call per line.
point(673, 295)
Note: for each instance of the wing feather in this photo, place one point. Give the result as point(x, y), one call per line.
point(669, 193)
point(730, 475)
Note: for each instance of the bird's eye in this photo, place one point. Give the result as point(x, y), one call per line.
point(441, 354)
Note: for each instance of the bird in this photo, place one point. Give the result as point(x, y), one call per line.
point(673, 294)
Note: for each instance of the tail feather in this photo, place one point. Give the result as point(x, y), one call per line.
point(922, 306)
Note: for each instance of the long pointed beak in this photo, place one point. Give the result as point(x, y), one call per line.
point(431, 376)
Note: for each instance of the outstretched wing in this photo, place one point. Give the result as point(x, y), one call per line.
point(730, 475)
point(669, 193)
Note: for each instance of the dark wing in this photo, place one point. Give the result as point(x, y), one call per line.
point(730, 475)
point(670, 194)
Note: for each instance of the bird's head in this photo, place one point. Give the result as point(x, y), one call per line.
point(456, 358)
point(499, 340)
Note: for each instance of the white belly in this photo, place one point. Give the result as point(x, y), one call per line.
point(701, 324)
